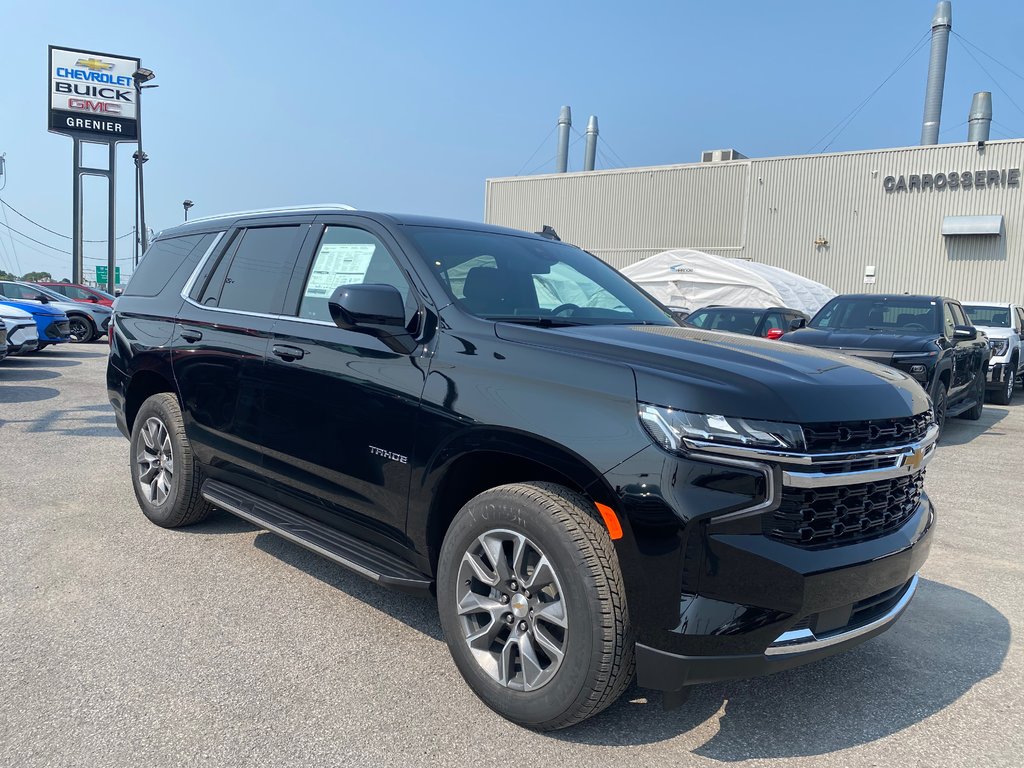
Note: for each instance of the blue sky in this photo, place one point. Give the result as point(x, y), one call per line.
point(409, 106)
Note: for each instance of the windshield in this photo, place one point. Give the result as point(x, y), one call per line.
point(734, 320)
point(992, 317)
point(896, 314)
point(526, 280)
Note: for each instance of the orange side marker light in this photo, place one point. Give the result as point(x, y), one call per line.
point(611, 521)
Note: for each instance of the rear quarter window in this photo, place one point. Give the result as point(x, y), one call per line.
point(164, 259)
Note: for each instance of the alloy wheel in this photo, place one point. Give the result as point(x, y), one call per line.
point(511, 610)
point(1009, 387)
point(79, 329)
point(154, 461)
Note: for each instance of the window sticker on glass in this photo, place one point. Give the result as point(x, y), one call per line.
point(338, 264)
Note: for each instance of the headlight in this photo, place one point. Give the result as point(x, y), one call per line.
point(671, 428)
point(999, 346)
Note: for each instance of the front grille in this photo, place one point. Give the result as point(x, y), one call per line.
point(814, 517)
point(58, 329)
point(852, 436)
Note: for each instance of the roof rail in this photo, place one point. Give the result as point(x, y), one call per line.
point(290, 209)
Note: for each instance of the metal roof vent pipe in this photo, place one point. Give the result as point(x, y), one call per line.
point(591, 152)
point(564, 126)
point(942, 23)
point(980, 120)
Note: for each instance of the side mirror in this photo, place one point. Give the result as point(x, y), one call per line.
point(774, 333)
point(117, 292)
point(965, 332)
point(43, 298)
point(376, 310)
point(797, 323)
point(93, 299)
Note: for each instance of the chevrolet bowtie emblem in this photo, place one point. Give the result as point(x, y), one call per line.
point(96, 65)
point(913, 460)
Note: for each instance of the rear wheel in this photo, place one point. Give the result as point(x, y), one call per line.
point(974, 412)
point(533, 607)
point(165, 475)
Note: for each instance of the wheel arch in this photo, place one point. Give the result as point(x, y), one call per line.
point(143, 385)
point(479, 461)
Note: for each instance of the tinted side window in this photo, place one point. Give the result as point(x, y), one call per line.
point(73, 292)
point(774, 320)
point(258, 275)
point(1020, 318)
point(349, 256)
point(159, 263)
point(63, 289)
point(15, 291)
point(958, 315)
point(948, 321)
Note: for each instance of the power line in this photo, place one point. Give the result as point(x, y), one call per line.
point(1015, 133)
point(11, 229)
point(14, 248)
point(843, 124)
point(986, 53)
point(542, 143)
point(53, 232)
point(996, 82)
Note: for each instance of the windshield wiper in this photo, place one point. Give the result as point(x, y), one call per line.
point(540, 322)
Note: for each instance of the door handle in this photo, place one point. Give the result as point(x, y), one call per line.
point(191, 335)
point(288, 353)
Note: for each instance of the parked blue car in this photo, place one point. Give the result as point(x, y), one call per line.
point(52, 324)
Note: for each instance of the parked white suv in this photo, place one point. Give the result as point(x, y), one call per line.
point(1004, 326)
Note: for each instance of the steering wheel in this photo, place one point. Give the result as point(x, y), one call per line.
point(562, 307)
point(915, 326)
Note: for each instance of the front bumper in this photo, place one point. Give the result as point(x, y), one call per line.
point(882, 589)
point(997, 374)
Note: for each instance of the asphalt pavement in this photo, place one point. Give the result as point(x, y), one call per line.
point(123, 644)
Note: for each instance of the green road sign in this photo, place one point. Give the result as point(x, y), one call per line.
point(101, 275)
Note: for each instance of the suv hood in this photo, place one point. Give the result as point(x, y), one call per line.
point(853, 340)
point(736, 375)
point(995, 332)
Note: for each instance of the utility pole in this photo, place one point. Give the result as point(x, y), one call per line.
point(141, 76)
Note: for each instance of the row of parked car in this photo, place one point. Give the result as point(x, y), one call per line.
point(961, 354)
point(34, 316)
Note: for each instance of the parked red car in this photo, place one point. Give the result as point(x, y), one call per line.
point(83, 293)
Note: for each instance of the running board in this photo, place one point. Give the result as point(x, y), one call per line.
point(365, 559)
point(961, 408)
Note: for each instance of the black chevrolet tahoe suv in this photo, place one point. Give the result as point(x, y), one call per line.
point(928, 337)
point(592, 492)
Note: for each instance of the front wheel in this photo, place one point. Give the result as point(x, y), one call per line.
point(82, 329)
point(974, 412)
point(1004, 395)
point(533, 606)
point(939, 402)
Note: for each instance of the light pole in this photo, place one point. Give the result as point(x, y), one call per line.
point(141, 76)
point(186, 205)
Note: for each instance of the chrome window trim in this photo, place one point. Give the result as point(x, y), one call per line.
point(199, 267)
point(804, 640)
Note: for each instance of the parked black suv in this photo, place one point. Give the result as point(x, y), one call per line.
point(508, 422)
point(928, 337)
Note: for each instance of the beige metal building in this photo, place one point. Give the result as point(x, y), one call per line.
point(945, 219)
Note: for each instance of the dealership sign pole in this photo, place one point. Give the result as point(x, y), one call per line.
point(93, 100)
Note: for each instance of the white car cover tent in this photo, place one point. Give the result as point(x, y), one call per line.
point(694, 279)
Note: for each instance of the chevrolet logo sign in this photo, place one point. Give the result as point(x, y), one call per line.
point(96, 65)
point(913, 460)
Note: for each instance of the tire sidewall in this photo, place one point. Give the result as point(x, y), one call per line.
point(572, 681)
point(159, 408)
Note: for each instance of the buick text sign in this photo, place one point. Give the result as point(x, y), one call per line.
point(992, 177)
point(92, 95)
